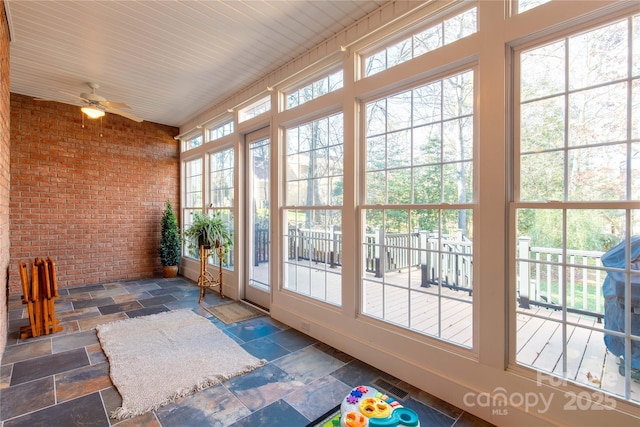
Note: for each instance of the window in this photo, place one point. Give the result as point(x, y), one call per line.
point(417, 251)
point(314, 162)
point(221, 130)
point(314, 90)
point(193, 183)
point(434, 37)
point(577, 222)
point(524, 5)
point(192, 193)
point(221, 185)
point(254, 110)
point(192, 143)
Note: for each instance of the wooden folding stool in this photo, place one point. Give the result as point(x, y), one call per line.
point(44, 294)
point(32, 330)
point(47, 293)
point(52, 280)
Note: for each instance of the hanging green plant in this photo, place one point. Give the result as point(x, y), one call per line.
point(209, 230)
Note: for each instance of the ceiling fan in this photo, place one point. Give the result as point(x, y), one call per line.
point(95, 106)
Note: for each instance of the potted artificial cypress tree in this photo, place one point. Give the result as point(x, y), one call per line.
point(169, 243)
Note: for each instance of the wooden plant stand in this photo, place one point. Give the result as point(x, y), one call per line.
point(206, 279)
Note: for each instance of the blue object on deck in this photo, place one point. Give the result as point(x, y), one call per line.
point(614, 289)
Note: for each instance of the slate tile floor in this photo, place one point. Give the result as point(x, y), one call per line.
point(63, 379)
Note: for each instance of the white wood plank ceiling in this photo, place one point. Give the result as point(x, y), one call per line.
point(168, 60)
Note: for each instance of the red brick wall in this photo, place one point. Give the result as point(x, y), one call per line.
point(4, 174)
point(91, 198)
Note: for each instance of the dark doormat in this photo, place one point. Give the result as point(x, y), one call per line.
point(235, 311)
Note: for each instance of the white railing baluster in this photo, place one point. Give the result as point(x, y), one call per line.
point(585, 284)
point(549, 296)
point(572, 271)
point(538, 278)
point(598, 288)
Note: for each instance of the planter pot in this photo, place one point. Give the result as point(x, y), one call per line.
point(202, 242)
point(170, 271)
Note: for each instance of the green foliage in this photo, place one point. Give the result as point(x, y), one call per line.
point(170, 238)
point(587, 229)
point(209, 230)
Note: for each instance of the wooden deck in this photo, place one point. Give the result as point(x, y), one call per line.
point(447, 314)
point(588, 362)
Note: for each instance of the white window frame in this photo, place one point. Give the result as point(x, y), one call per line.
point(255, 109)
point(311, 84)
point(410, 206)
point(564, 206)
point(326, 268)
point(220, 130)
point(191, 142)
point(408, 38)
point(230, 210)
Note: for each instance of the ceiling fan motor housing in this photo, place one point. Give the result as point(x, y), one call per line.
point(93, 96)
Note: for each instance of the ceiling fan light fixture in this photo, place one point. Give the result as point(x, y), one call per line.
point(92, 112)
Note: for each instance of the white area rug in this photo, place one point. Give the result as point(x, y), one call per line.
point(156, 359)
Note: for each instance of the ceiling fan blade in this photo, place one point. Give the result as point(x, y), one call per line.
point(124, 114)
point(70, 95)
point(110, 104)
point(53, 100)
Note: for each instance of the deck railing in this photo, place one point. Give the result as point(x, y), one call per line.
point(540, 271)
point(447, 260)
point(260, 245)
point(320, 246)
